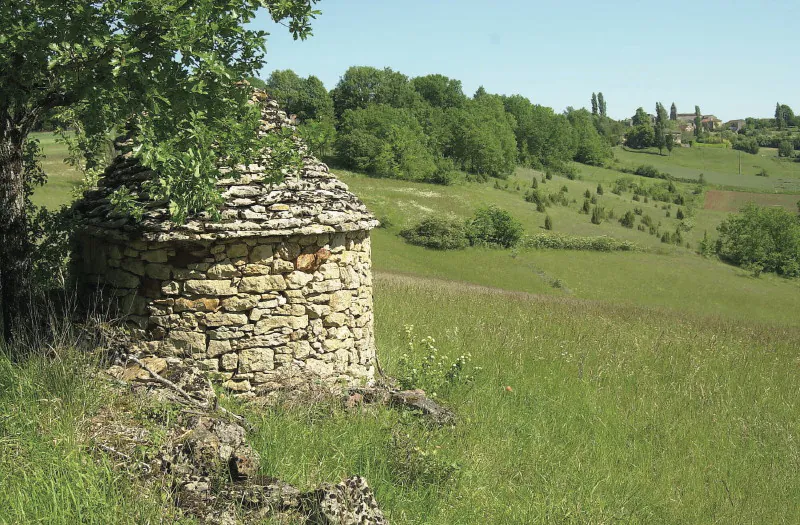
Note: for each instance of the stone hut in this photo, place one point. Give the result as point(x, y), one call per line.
point(278, 293)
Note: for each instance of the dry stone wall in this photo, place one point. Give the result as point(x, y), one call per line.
point(259, 313)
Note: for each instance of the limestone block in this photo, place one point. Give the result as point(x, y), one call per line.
point(184, 342)
point(216, 348)
point(298, 279)
point(135, 266)
point(291, 309)
point(257, 269)
point(261, 252)
point(236, 250)
point(299, 349)
point(350, 277)
point(237, 386)
point(202, 304)
point(229, 361)
point(155, 256)
point(275, 322)
point(215, 319)
point(211, 365)
point(341, 300)
point(122, 279)
point(157, 271)
point(271, 340)
point(341, 333)
point(319, 367)
point(210, 287)
point(336, 319)
point(171, 288)
point(325, 286)
point(222, 271)
point(226, 334)
point(217, 249)
point(281, 266)
point(317, 311)
point(329, 271)
point(263, 283)
point(240, 303)
point(256, 360)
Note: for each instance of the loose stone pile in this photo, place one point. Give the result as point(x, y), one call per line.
point(278, 293)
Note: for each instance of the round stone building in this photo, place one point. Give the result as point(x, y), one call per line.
point(277, 293)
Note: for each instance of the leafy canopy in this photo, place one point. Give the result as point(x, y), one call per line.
point(165, 71)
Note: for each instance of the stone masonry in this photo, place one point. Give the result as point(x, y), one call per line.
point(278, 293)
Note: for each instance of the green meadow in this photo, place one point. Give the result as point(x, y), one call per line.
point(650, 386)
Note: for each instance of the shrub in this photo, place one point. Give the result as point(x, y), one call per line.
point(556, 241)
point(636, 197)
point(599, 189)
point(765, 237)
point(493, 226)
point(534, 183)
point(628, 219)
point(598, 214)
point(593, 200)
point(762, 173)
point(638, 211)
point(564, 189)
point(540, 207)
point(587, 194)
point(439, 233)
point(587, 207)
point(668, 214)
point(548, 223)
point(679, 215)
point(747, 144)
point(785, 148)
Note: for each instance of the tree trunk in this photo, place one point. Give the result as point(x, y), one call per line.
point(14, 249)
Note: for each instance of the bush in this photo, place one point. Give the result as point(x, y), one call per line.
point(586, 208)
point(587, 194)
point(785, 148)
point(747, 144)
point(768, 238)
point(599, 189)
point(679, 215)
point(492, 226)
point(555, 241)
point(628, 219)
point(598, 214)
point(548, 223)
point(439, 233)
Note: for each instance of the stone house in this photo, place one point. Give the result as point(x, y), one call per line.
point(278, 293)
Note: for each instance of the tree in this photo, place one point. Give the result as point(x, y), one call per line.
point(784, 116)
point(669, 142)
point(590, 146)
point(698, 121)
point(601, 101)
point(483, 139)
point(640, 117)
point(762, 239)
point(386, 142)
point(305, 97)
point(104, 65)
point(440, 91)
point(548, 223)
point(785, 148)
point(361, 86)
point(673, 112)
point(660, 128)
point(543, 138)
point(594, 104)
point(639, 137)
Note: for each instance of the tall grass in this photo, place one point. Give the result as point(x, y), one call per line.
point(614, 414)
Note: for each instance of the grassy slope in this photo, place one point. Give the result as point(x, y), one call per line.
point(62, 178)
point(616, 414)
point(720, 166)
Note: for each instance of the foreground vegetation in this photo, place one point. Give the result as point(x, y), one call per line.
point(612, 413)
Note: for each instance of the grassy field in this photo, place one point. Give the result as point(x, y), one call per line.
point(615, 414)
point(62, 178)
point(732, 201)
point(720, 167)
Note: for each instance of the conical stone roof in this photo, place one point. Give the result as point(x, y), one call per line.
point(312, 202)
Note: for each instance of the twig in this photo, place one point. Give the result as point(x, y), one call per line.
point(166, 382)
point(106, 448)
point(192, 401)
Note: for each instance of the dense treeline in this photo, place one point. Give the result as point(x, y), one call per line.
point(425, 128)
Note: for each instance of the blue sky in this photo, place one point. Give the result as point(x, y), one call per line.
point(734, 58)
